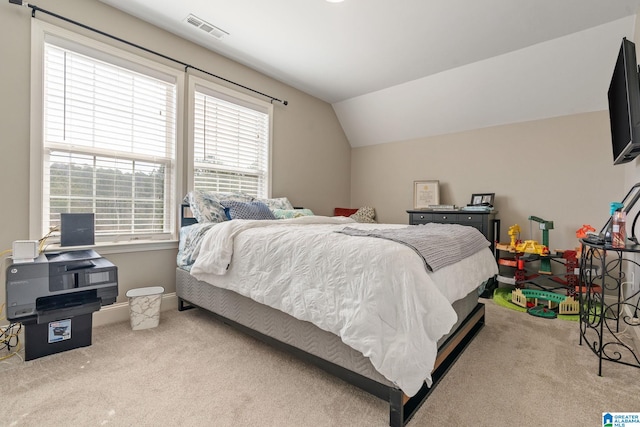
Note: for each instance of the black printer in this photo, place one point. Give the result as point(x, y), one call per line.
point(56, 293)
point(58, 281)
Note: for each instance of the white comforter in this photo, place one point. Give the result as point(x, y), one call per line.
point(373, 293)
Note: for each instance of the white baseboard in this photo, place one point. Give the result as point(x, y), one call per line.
point(119, 312)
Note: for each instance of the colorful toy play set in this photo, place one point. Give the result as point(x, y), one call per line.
point(543, 302)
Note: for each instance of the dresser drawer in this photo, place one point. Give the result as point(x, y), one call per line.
point(426, 217)
point(445, 217)
point(470, 219)
point(421, 218)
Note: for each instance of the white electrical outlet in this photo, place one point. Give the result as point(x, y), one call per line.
point(632, 284)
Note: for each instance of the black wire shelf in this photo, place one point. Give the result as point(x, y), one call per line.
point(609, 318)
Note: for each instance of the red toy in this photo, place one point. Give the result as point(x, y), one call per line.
point(581, 233)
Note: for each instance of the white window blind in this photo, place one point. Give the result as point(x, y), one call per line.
point(230, 144)
point(109, 145)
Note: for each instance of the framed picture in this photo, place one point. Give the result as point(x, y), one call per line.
point(425, 193)
point(482, 199)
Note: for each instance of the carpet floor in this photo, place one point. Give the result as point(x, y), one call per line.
point(193, 370)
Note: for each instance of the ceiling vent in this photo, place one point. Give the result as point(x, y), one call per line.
point(205, 26)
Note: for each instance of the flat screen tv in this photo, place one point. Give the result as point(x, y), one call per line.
point(624, 105)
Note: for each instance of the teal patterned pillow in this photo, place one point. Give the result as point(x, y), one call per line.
point(246, 210)
point(277, 203)
point(206, 206)
point(291, 213)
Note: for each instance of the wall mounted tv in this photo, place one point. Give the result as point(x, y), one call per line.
point(624, 105)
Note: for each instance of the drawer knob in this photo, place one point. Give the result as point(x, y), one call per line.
point(469, 217)
point(421, 216)
point(444, 217)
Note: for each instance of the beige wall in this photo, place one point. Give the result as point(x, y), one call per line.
point(559, 169)
point(632, 177)
point(311, 156)
point(632, 173)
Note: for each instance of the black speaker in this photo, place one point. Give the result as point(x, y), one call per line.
point(77, 229)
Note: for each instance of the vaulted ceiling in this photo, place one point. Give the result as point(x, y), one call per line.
point(404, 69)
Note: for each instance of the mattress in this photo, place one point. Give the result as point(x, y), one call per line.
point(375, 295)
point(289, 330)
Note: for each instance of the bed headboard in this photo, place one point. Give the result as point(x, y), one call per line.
point(186, 216)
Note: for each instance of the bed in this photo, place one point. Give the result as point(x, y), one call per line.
point(236, 287)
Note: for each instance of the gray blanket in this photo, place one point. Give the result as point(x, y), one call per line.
point(438, 245)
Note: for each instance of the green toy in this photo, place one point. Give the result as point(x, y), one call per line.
point(542, 311)
point(545, 226)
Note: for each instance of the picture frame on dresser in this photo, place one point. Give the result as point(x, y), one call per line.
point(482, 199)
point(426, 193)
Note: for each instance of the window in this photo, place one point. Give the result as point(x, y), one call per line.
point(108, 140)
point(231, 141)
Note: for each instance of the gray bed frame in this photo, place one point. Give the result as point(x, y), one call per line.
point(322, 348)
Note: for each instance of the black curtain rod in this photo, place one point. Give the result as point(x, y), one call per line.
point(186, 66)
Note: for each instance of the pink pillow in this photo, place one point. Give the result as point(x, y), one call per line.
point(344, 211)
